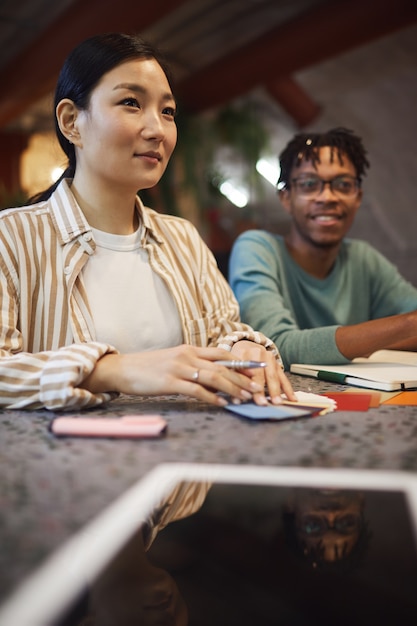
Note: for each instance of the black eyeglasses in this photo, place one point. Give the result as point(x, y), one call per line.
point(316, 525)
point(312, 185)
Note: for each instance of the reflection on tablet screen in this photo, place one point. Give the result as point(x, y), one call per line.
point(235, 554)
point(218, 545)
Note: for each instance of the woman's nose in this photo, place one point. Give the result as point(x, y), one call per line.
point(153, 128)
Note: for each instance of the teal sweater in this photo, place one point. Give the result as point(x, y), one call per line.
point(301, 313)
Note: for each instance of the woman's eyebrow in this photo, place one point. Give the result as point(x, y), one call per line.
point(168, 96)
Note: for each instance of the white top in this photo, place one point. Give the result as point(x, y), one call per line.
point(131, 305)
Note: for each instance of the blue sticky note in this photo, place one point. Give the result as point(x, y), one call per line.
point(254, 412)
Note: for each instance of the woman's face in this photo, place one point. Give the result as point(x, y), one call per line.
point(128, 132)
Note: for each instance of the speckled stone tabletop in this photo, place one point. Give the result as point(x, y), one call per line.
point(50, 487)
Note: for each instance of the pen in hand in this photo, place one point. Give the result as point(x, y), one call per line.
point(241, 365)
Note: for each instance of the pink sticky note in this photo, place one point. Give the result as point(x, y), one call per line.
point(130, 426)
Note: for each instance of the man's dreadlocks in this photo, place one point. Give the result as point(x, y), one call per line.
point(305, 146)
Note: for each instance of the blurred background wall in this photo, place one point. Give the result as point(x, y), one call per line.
point(248, 74)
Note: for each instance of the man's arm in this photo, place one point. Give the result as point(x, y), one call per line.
point(257, 279)
point(397, 332)
point(261, 285)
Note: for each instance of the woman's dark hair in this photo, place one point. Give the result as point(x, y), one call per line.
point(81, 72)
point(305, 146)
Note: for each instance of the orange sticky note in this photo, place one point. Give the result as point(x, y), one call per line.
point(406, 398)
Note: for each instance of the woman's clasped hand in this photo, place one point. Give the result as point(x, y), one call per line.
point(194, 372)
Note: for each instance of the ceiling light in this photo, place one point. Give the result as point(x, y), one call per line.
point(270, 171)
point(238, 196)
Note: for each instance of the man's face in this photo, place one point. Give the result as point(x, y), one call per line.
point(332, 519)
point(322, 218)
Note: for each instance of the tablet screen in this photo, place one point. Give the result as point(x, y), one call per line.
point(207, 544)
point(243, 554)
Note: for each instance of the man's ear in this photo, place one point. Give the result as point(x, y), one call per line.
point(284, 197)
point(66, 115)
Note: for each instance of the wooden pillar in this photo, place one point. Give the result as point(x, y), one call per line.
point(12, 145)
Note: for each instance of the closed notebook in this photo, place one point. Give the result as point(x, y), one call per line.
point(386, 370)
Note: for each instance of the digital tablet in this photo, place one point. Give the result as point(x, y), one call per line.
point(203, 545)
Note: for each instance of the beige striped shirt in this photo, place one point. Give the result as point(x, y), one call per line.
point(185, 499)
point(47, 337)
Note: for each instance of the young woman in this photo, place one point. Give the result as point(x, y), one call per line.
point(100, 295)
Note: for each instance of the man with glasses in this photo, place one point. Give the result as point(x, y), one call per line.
point(321, 297)
point(327, 527)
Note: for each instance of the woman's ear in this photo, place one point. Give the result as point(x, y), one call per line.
point(66, 115)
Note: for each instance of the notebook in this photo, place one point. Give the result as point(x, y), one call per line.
point(385, 370)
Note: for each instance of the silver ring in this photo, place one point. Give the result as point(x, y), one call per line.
point(196, 375)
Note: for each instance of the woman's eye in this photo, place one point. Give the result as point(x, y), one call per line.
point(131, 102)
point(171, 111)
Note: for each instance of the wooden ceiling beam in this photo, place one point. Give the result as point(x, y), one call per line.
point(318, 34)
point(33, 73)
point(294, 100)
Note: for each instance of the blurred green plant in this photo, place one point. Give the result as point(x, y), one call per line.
point(194, 168)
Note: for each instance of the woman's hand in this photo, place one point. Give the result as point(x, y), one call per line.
point(272, 376)
point(181, 370)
